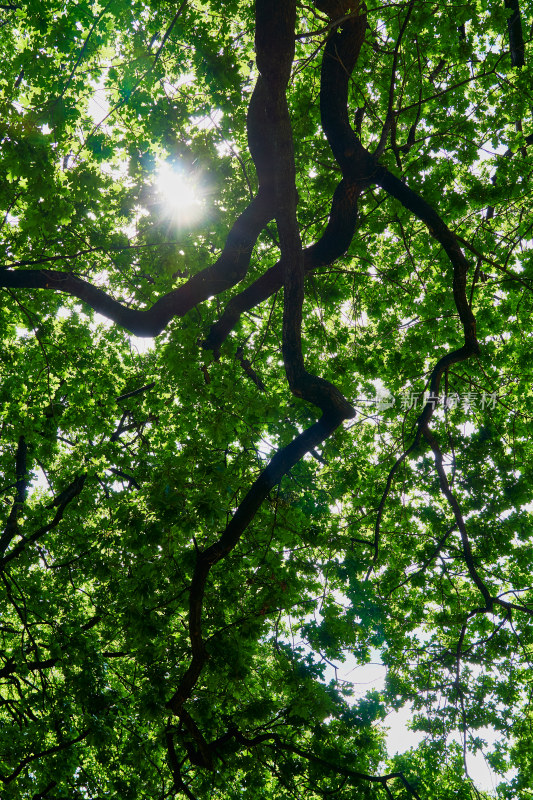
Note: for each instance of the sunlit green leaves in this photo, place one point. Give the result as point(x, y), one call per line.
point(94, 628)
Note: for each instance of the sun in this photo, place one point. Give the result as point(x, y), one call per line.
point(180, 194)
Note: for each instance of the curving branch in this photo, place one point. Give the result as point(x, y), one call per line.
point(275, 52)
point(279, 744)
point(274, 48)
point(283, 461)
point(333, 244)
point(357, 165)
point(360, 169)
point(229, 269)
point(440, 231)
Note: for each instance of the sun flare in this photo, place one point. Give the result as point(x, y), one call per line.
point(180, 195)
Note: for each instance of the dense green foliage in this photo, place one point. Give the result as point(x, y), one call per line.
point(170, 604)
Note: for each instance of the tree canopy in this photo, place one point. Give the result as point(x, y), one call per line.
point(266, 281)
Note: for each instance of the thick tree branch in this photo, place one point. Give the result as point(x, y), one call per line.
point(275, 51)
point(340, 56)
point(175, 766)
point(274, 27)
point(135, 392)
point(228, 270)
point(283, 461)
point(359, 169)
point(440, 231)
point(333, 244)
point(249, 370)
point(516, 37)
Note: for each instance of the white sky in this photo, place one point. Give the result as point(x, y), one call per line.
point(400, 738)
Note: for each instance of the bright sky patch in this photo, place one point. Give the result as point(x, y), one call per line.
point(180, 194)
